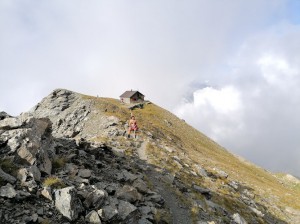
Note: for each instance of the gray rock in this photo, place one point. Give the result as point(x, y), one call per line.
point(238, 219)
point(220, 173)
point(125, 209)
point(204, 191)
point(144, 221)
point(4, 115)
point(128, 193)
point(201, 171)
point(93, 217)
point(10, 123)
point(257, 212)
point(71, 169)
point(108, 212)
point(95, 199)
point(67, 203)
point(7, 177)
point(141, 186)
point(8, 191)
point(85, 173)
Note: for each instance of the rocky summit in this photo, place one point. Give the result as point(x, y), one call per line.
point(69, 160)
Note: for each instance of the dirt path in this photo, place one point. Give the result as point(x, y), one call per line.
point(180, 214)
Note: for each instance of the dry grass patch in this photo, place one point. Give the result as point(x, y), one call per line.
point(54, 182)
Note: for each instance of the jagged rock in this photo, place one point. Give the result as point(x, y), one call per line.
point(25, 141)
point(201, 171)
point(95, 199)
point(203, 191)
point(7, 177)
point(4, 115)
point(125, 209)
point(108, 212)
point(141, 186)
point(8, 191)
point(156, 198)
point(93, 217)
point(67, 203)
point(46, 192)
point(257, 212)
point(238, 219)
point(71, 169)
point(235, 185)
point(144, 221)
point(9, 123)
point(220, 173)
point(128, 193)
point(32, 172)
point(85, 173)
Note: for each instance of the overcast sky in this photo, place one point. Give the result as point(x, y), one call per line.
point(230, 68)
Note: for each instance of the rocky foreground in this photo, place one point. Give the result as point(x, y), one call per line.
point(67, 162)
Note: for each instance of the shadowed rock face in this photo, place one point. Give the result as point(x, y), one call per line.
point(52, 171)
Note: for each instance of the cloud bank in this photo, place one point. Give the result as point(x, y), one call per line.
point(255, 114)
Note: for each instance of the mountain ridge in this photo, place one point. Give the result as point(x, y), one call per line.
point(214, 185)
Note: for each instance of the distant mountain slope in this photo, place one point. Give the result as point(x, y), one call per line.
point(211, 183)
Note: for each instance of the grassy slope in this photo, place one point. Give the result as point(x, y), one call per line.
point(202, 150)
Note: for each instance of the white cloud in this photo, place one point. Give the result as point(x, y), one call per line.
point(255, 111)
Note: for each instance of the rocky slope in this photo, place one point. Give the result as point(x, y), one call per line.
point(67, 161)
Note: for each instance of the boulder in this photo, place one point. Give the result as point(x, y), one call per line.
point(95, 199)
point(7, 177)
point(108, 212)
point(8, 191)
point(125, 209)
point(238, 219)
point(46, 192)
point(128, 193)
point(85, 173)
point(67, 203)
point(93, 217)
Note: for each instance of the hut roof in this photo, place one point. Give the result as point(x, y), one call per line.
point(129, 94)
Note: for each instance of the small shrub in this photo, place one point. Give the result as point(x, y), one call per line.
point(59, 163)
point(8, 166)
point(54, 182)
point(162, 216)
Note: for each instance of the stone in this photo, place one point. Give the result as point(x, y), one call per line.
point(10, 123)
point(220, 173)
point(141, 186)
point(71, 169)
point(128, 193)
point(201, 171)
point(257, 212)
point(125, 209)
point(7, 177)
point(85, 173)
point(95, 199)
point(108, 212)
point(46, 192)
point(205, 192)
point(238, 219)
point(67, 203)
point(8, 191)
point(93, 217)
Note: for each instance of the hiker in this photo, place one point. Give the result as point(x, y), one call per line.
point(132, 126)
